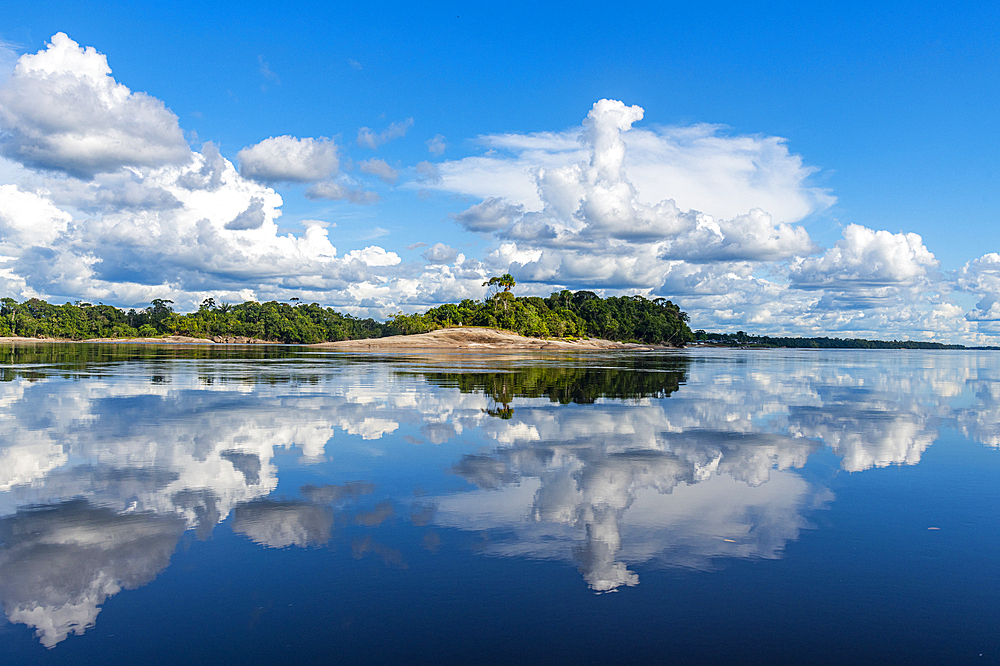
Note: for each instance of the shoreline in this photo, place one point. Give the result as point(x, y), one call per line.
point(484, 339)
point(467, 339)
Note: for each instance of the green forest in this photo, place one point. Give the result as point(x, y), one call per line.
point(563, 314)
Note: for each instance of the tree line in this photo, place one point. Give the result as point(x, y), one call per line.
point(741, 339)
point(563, 314)
point(271, 321)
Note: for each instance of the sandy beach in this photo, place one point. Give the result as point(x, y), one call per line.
point(478, 339)
point(483, 339)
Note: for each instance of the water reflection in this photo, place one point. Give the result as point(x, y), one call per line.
point(591, 468)
point(59, 563)
point(302, 523)
point(109, 454)
point(629, 379)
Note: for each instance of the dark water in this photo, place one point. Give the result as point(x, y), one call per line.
point(284, 505)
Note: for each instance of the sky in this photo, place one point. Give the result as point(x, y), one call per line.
point(773, 168)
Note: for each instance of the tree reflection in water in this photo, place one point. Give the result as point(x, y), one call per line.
point(629, 378)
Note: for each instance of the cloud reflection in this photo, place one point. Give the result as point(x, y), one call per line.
point(59, 563)
point(591, 484)
point(614, 464)
point(279, 524)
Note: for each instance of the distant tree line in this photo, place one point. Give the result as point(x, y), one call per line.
point(564, 314)
point(273, 321)
point(740, 339)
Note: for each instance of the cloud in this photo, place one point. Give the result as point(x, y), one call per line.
point(699, 167)
point(289, 159)
point(868, 258)
point(61, 110)
point(127, 193)
point(374, 255)
point(170, 232)
point(982, 277)
point(251, 218)
point(594, 203)
point(436, 145)
point(752, 237)
point(611, 207)
point(336, 191)
point(493, 214)
point(380, 168)
point(595, 229)
point(369, 139)
point(439, 253)
point(28, 219)
point(208, 172)
point(427, 172)
point(354, 64)
point(374, 232)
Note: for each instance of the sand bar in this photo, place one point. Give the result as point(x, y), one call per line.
point(483, 339)
point(465, 338)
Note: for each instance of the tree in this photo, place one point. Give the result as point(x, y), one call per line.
point(503, 283)
point(159, 311)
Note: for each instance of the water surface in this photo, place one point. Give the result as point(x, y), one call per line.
point(292, 505)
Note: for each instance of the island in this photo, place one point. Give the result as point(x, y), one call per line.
point(580, 319)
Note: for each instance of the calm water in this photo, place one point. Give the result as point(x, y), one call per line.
point(287, 505)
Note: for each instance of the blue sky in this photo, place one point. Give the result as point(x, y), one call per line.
point(853, 127)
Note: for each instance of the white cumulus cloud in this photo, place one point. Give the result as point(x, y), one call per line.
point(493, 214)
point(289, 159)
point(869, 258)
point(439, 253)
point(63, 111)
point(27, 218)
point(374, 255)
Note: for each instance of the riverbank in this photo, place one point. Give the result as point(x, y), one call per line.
point(479, 339)
point(466, 338)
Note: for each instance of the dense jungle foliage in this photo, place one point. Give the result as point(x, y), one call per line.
point(563, 314)
point(271, 321)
